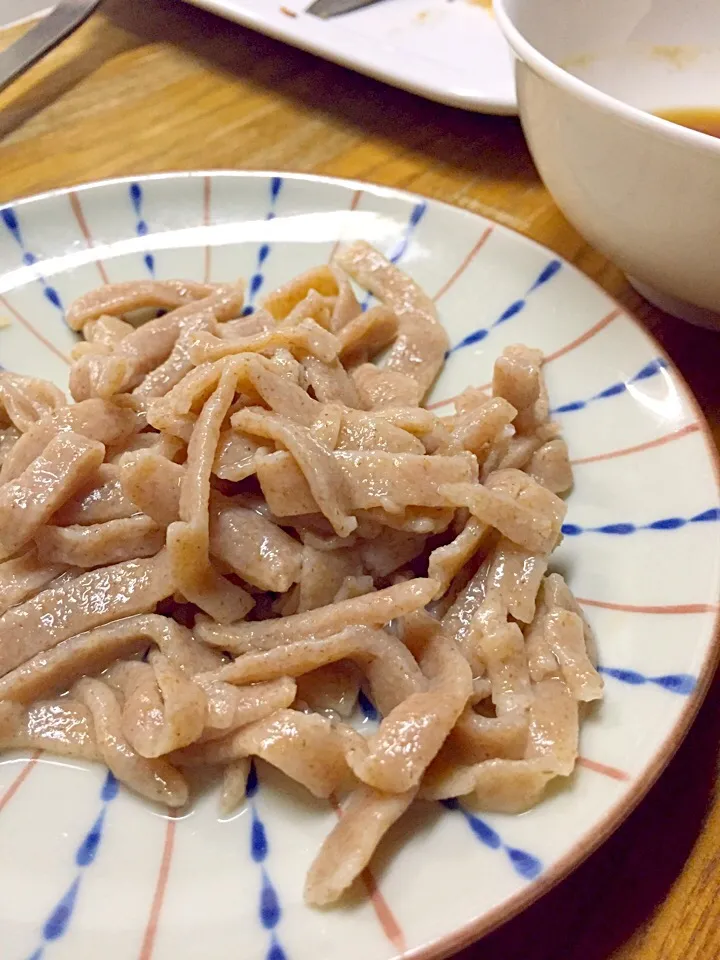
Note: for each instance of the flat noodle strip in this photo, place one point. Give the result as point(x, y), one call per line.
point(165, 376)
point(254, 548)
point(394, 759)
point(387, 481)
point(234, 785)
point(421, 344)
point(366, 335)
point(164, 711)
point(153, 484)
point(188, 539)
point(231, 707)
point(235, 457)
point(553, 731)
point(558, 594)
point(96, 374)
point(313, 307)
point(565, 637)
point(458, 620)
point(106, 331)
point(521, 510)
point(251, 546)
point(283, 396)
point(517, 377)
point(306, 747)
point(259, 321)
point(154, 779)
point(24, 576)
point(516, 574)
point(509, 786)
point(368, 431)
point(118, 299)
point(306, 337)
point(446, 562)
point(497, 785)
point(63, 727)
point(9, 436)
point(324, 281)
point(318, 466)
point(392, 672)
point(381, 389)
point(479, 426)
point(330, 382)
point(152, 344)
point(554, 596)
point(478, 738)
point(161, 444)
point(394, 549)
point(48, 482)
point(87, 601)
point(101, 500)
point(349, 846)
point(373, 610)
point(322, 574)
point(25, 400)
point(501, 647)
point(95, 419)
point(550, 466)
point(55, 669)
point(101, 544)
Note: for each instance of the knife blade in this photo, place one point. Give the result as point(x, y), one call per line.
point(325, 9)
point(60, 23)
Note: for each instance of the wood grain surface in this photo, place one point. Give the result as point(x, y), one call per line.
point(155, 85)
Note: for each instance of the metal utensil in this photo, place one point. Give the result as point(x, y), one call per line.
point(335, 8)
point(60, 23)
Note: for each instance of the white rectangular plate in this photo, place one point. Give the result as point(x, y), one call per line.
point(13, 11)
point(451, 51)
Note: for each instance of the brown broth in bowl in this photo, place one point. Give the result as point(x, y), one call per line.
point(703, 119)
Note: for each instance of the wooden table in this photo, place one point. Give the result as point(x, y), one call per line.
point(153, 85)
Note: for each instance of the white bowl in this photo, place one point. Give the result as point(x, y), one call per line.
point(644, 191)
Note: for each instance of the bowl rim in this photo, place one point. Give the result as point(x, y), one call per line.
point(560, 77)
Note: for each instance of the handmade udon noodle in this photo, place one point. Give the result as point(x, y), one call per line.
point(244, 520)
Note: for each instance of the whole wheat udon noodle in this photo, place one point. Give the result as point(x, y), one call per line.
point(244, 520)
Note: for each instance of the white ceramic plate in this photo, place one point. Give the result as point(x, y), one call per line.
point(88, 870)
point(451, 51)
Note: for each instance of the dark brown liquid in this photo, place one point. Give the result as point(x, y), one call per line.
point(703, 119)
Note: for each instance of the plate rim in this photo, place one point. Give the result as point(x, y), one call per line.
point(450, 96)
point(442, 947)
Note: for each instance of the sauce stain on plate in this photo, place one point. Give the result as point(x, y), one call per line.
point(485, 4)
point(677, 56)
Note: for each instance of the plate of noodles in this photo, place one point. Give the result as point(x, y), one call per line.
point(451, 51)
point(341, 610)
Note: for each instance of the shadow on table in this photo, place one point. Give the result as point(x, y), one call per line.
point(693, 350)
point(478, 145)
point(599, 907)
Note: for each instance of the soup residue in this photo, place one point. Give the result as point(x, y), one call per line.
point(703, 119)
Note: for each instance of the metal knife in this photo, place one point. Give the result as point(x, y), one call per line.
point(60, 23)
point(335, 8)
